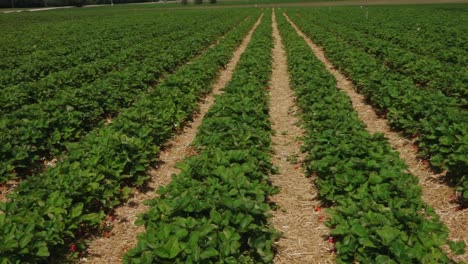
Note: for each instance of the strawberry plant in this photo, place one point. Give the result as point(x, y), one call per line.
point(49, 212)
point(216, 210)
point(376, 214)
point(38, 132)
point(437, 119)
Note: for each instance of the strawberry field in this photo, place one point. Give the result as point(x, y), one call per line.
point(91, 98)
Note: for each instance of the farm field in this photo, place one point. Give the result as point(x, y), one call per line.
point(331, 134)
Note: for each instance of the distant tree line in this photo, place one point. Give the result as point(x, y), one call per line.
point(45, 3)
point(197, 2)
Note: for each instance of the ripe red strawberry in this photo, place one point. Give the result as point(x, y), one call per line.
point(452, 198)
point(320, 218)
point(72, 247)
point(331, 240)
point(425, 162)
point(111, 218)
point(318, 209)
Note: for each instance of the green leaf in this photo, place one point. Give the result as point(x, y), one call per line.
point(43, 251)
point(388, 234)
point(173, 247)
point(374, 178)
point(446, 140)
point(93, 217)
point(366, 242)
point(76, 211)
point(359, 230)
point(216, 217)
point(457, 247)
point(339, 230)
point(24, 241)
point(181, 233)
point(208, 253)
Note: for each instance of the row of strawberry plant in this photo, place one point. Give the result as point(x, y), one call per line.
point(34, 48)
point(38, 132)
point(216, 210)
point(377, 215)
point(425, 71)
point(67, 44)
point(85, 47)
point(151, 42)
point(436, 121)
point(61, 205)
point(437, 31)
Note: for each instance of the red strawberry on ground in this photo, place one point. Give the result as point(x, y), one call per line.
point(320, 218)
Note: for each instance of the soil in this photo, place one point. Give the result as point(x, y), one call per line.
point(435, 192)
point(305, 237)
point(6, 188)
point(123, 236)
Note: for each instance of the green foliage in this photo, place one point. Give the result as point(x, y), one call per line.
point(377, 214)
point(41, 117)
point(434, 110)
point(48, 212)
point(405, 53)
point(216, 210)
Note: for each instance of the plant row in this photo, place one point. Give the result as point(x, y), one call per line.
point(32, 49)
point(66, 202)
point(51, 47)
point(36, 133)
point(54, 85)
point(107, 59)
point(85, 47)
point(436, 121)
point(216, 209)
point(425, 71)
point(376, 215)
point(437, 31)
point(138, 51)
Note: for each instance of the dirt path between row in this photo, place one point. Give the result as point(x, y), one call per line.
point(305, 237)
point(435, 193)
point(124, 233)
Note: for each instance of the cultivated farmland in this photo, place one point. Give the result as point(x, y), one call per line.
point(142, 134)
